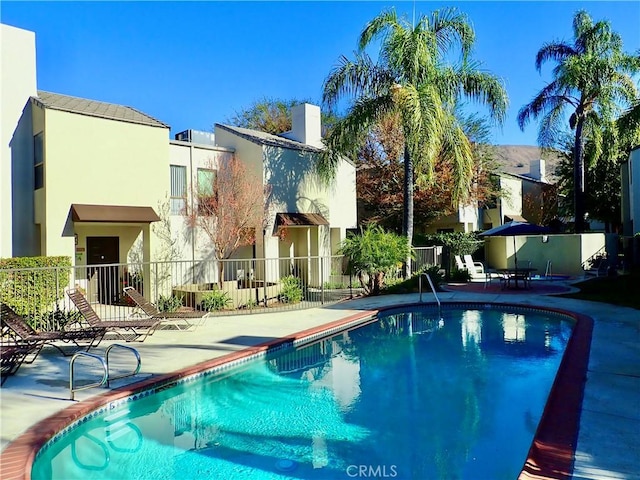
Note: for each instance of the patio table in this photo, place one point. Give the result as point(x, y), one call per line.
point(515, 274)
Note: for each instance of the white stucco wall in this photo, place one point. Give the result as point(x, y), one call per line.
point(343, 199)
point(104, 162)
point(566, 252)
point(192, 243)
point(511, 198)
point(18, 74)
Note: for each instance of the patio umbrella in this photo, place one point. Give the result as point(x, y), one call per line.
point(513, 229)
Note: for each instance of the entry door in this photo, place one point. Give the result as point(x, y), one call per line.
point(101, 251)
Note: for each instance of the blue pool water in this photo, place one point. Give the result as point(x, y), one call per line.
point(410, 395)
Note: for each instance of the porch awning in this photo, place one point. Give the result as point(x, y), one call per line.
point(300, 220)
point(515, 218)
point(112, 214)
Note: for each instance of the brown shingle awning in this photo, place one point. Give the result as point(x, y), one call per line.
point(112, 213)
point(299, 219)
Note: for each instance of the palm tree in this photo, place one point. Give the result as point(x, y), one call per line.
point(412, 81)
point(592, 79)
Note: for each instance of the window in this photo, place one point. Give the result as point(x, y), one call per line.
point(178, 188)
point(206, 191)
point(38, 161)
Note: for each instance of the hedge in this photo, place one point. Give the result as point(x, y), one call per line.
point(32, 285)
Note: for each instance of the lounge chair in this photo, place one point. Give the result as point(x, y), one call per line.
point(459, 263)
point(12, 358)
point(474, 268)
point(599, 269)
point(478, 271)
point(23, 334)
point(128, 330)
point(182, 320)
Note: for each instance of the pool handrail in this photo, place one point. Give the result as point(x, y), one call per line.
point(104, 362)
point(433, 289)
point(105, 373)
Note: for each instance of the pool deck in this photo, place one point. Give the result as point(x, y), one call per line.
point(609, 437)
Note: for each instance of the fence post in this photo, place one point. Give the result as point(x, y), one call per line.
point(156, 280)
point(57, 288)
point(264, 282)
point(320, 259)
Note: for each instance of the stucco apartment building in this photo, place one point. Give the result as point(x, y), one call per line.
point(521, 200)
point(97, 181)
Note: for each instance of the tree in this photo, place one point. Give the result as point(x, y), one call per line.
point(380, 178)
point(228, 208)
point(602, 171)
point(412, 82)
point(374, 254)
point(272, 116)
point(591, 79)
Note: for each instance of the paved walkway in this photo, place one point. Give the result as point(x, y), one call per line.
point(609, 439)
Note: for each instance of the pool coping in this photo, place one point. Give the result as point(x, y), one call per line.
point(551, 455)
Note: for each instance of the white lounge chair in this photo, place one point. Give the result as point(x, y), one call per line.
point(478, 271)
point(474, 268)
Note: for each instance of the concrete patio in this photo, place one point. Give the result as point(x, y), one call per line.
point(609, 438)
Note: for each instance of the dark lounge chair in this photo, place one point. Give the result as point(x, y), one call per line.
point(12, 358)
point(128, 330)
point(22, 333)
point(182, 320)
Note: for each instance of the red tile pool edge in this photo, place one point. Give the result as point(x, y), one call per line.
point(550, 457)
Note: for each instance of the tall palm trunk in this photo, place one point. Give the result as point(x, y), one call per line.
point(578, 178)
point(407, 211)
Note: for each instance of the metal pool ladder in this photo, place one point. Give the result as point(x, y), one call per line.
point(104, 362)
point(433, 289)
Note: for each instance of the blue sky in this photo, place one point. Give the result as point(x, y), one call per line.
point(193, 64)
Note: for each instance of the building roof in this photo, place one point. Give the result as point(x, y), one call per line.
point(93, 108)
point(524, 177)
point(262, 138)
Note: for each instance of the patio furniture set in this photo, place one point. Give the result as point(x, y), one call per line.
point(518, 277)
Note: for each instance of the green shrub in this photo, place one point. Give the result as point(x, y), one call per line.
point(291, 291)
point(460, 275)
point(434, 272)
point(31, 289)
point(215, 300)
point(412, 284)
point(375, 254)
point(459, 243)
point(250, 304)
point(169, 303)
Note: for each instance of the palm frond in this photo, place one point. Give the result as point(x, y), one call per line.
point(556, 51)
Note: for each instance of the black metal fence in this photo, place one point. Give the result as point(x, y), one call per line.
point(223, 287)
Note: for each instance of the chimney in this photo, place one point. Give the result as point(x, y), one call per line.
point(537, 170)
point(306, 124)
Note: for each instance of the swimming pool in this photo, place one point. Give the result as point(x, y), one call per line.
point(408, 395)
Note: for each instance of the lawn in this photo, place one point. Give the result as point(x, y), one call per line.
point(623, 290)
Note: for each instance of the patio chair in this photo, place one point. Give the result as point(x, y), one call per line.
point(478, 271)
point(600, 269)
point(182, 320)
point(23, 334)
point(128, 330)
point(12, 358)
point(472, 266)
point(459, 263)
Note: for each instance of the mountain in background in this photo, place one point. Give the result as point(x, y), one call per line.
point(517, 159)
